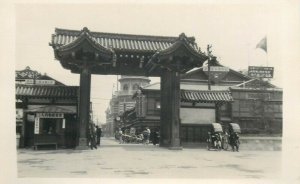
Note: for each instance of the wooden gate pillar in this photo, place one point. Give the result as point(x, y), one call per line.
point(84, 108)
point(170, 106)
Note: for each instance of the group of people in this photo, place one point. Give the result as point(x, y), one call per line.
point(94, 136)
point(218, 141)
point(145, 136)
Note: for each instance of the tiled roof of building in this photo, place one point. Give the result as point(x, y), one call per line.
point(46, 91)
point(127, 42)
point(186, 86)
point(205, 96)
point(27, 73)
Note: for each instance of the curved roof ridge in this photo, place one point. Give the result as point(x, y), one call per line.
point(84, 34)
point(122, 35)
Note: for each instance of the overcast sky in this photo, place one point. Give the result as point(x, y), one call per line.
point(233, 31)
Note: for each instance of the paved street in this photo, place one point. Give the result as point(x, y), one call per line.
point(113, 160)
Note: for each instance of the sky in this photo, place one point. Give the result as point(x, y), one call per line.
point(233, 30)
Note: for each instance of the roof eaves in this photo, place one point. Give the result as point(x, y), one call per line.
point(121, 36)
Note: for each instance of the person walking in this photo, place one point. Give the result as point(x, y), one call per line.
point(92, 137)
point(98, 133)
point(120, 136)
point(146, 134)
point(155, 139)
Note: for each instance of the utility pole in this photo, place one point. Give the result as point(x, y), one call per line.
point(208, 64)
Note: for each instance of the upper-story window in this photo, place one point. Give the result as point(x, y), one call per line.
point(125, 87)
point(135, 87)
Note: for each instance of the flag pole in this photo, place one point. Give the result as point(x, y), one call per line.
point(248, 51)
point(208, 66)
point(267, 50)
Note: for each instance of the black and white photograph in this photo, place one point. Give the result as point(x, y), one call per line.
point(150, 91)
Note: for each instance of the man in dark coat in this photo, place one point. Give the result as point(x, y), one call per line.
point(98, 133)
point(92, 137)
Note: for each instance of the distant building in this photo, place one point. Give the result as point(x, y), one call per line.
point(122, 101)
point(46, 111)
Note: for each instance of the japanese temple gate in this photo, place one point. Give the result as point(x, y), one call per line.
point(86, 53)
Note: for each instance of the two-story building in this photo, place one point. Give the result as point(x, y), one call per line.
point(233, 97)
point(46, 111)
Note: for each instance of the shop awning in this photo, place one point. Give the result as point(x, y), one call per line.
point(205, 96)
point(53, 109)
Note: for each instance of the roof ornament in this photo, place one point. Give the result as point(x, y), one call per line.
point(85, 29)
point(182, 36)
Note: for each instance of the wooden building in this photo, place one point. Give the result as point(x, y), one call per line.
point(233, 97)
point(46, 111)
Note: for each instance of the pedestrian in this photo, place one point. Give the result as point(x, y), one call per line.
point(146, 134)
point(98, 133)
point(92, 137)
point(120, 136)
point(155, 139)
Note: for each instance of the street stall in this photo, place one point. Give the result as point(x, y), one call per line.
point(50, 125)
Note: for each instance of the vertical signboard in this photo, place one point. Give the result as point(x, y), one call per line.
point(36, 125)
point(140, 105)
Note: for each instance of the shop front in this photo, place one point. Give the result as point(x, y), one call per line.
point(51, 126)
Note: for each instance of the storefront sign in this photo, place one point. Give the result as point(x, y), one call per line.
point(45, 82)
point(40, 82)
point(50, 115)
point(258, 96)
point(37, 125)
point(260, 72)
point(216, 73)
point(30, 118)
point(140, 105)
point(19, 114)
point(216, 69)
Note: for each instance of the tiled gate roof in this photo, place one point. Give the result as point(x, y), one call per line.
point(119, 41)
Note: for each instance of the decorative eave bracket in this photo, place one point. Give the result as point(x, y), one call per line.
point(84, 48)
point(181, 56)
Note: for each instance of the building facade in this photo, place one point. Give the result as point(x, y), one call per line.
point(46, 111)
point(254, 104)
point(122, 101)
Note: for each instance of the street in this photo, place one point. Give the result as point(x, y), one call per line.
point(114, 160)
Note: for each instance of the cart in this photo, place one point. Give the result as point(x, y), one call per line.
point(215, 137)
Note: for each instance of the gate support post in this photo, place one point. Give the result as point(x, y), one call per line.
point(84, 108)
point(170, 109)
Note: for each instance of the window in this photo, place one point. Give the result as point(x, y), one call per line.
point(135, 87)
point(125, 87)
point(48, 126)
